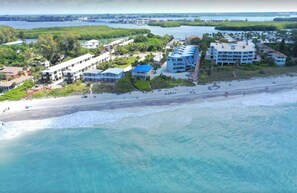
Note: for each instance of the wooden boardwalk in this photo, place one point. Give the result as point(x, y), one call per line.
point(196, 72)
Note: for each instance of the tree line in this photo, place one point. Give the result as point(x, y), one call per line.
point(7, 34)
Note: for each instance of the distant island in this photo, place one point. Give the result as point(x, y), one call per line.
point(286, 19)
point(95, 17)
point(232, 25)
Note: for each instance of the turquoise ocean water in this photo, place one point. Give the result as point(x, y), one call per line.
point(247, 144)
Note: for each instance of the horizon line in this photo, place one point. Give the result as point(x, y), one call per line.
point(122, 13)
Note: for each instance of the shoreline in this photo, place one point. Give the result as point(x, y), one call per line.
point(56, 107)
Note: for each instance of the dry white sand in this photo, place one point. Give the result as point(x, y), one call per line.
point(17, 109)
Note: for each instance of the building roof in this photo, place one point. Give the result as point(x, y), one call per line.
point(17, 81)
point(113, 71)
point(11, 70)
point(270, 50)
point(13, 43)
point(239, 46)
point(184, 51)
point(93, 71)
point(115, 42)
point(142, 68)
point(68, 63)
point(278, 54)
point(88, 63)
point(158, 57)
point(126, 42)
point(91, 42)
point(95, 41)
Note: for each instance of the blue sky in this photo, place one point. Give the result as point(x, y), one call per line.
point(142, 6)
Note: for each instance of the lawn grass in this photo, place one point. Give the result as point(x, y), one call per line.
point(124, 62)
point(142, 85)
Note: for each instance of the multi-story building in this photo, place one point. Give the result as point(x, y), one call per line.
point(93, 75)
point(142, 71)
point(278, 58)
point(92, 44)
point(231, 53)
point(109, 75)
point(112, 75)
point(55, 73)
point(76, 72)
point(183, 58)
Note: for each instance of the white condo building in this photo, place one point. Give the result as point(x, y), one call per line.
point(76, 72)
point(93, 75)
point(109, 75)
point(55, 73)
point(280, 59)
point(91, 44)
point(183, 58)
point(231, 53)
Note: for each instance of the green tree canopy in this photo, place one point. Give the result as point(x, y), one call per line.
point(124, 85)
point(7, 34)
point(48, 47)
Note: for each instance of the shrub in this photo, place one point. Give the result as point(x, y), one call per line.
point(159, 83)
point(17, 93)
point(103, 88)
point(123, 85)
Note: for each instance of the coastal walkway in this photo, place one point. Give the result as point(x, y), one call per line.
point(196, 72)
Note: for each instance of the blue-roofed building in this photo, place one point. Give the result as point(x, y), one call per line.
point(142, 71)
point(183, 58)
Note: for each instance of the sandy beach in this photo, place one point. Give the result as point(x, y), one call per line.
point(55, 107)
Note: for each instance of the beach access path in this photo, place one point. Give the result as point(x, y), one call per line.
point(38, 109)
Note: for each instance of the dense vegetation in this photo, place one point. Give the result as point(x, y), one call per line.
point(9, 56)
point(84, 32)
point(103, 88)
point(17, 93)
point(57, 48)
point(77, 88)
point(149, 43)
point(290, 50)
point(230, 25)
point(285, 19)
point(248, 28)
point(213, 73)
point(124, 85)
point(168, 82)
point(7, 34)
point(128, 84)
point(122, 62)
